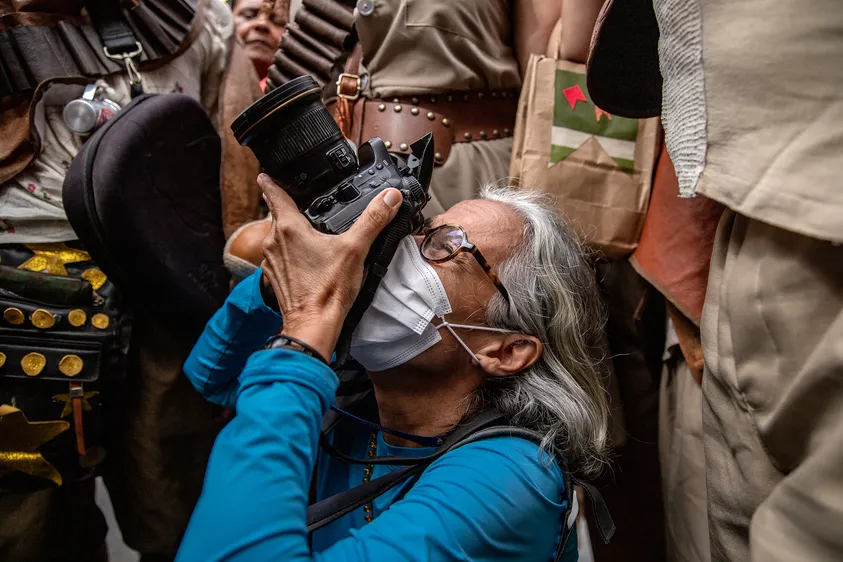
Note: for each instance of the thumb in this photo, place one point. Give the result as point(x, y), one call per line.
point(379, 213)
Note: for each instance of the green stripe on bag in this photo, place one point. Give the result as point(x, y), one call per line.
point(576, 119)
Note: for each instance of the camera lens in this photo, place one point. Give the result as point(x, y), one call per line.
point(296, 140)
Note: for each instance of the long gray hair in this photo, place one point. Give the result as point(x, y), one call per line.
point(554, 297)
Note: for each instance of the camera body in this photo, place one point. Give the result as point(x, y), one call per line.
point(336, 210)
point(298, 143)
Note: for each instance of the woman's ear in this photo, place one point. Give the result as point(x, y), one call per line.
point(509, 354)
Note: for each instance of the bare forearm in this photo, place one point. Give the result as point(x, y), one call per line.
point(534, 21)
point(578, 18)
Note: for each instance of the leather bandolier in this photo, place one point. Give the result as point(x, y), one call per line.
point(64, 329)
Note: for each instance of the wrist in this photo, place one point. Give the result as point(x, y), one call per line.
point(319, 337)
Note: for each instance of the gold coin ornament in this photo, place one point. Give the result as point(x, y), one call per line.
point(95, 277)
point(100, 321)
point(71, 365)
point(77, 318)
point(33, 363)
point(43, 319)
point(2, 359)
point(14, 316)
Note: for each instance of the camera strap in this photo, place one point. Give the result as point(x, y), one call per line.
point(380, 256)
point(120, 43)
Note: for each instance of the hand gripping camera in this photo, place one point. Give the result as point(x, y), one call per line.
point(299, 144)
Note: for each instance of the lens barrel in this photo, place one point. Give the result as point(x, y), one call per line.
point(296, 140)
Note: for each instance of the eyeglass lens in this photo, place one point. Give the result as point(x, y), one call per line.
point(443, 242)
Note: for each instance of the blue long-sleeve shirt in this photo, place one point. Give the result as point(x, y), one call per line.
point(492, 500)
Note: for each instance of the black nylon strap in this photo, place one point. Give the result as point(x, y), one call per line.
point(462, 432)
point(331, 509)
point(380, 257)
point(602, 517)
point(112, 28)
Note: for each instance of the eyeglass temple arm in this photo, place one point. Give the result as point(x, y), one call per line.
point(478, 255)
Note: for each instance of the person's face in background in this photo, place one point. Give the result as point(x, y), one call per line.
point(261, 29)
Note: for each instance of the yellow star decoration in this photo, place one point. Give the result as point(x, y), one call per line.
point(68, 402)
point(20, 440)
point(51, 258)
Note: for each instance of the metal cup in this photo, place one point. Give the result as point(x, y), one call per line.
point(88, 113)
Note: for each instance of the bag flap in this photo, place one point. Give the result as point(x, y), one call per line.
point(143, 195)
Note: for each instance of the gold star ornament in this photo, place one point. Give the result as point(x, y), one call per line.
point(51, 258)
point(68, 402)
point(20, 440)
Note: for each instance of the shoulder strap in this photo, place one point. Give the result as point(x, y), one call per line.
point(331, 509)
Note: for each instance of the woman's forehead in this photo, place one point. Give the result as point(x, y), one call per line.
point(489, 224)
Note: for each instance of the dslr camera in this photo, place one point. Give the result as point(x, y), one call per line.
point(299, 144)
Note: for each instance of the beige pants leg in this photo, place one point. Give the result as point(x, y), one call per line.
point(682, 463)
point(772, 335)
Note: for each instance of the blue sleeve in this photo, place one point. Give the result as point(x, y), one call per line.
point(254, 502)
point(488, 501)
point(236, 330)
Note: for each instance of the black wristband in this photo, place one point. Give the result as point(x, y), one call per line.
point(280, 341)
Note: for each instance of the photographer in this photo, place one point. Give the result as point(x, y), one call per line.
point(447, 336)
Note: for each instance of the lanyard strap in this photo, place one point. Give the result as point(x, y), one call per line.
point(434, 441)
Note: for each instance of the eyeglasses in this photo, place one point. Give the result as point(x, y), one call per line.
point(446, 242)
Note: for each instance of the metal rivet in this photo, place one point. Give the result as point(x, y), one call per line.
point(365, 7)
point(43, 319)
point(431, 115)
point(2, 358)
point(483, 134)
point(503, 94)
point(480, 95)
point(415, 111)
point(33, 363)
point(467, 136)
point(438, 156)
point(398, 108)
point(71, 365)
point(14, 316)
point(446, 122)
point(77, 318)
point(100, 321)
point(496, 133)
point(403, 147)
point(432, 100)
point(388, 144)
point(382, 107)
point(415, 101)
point(506, 132)
point(450, 98)
point(465, 97)
point(494, 94)
point(395, 100)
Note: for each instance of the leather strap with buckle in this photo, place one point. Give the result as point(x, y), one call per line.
point(469, 116)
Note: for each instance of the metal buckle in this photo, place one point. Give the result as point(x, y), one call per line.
point(127, 58)
point(347, 96)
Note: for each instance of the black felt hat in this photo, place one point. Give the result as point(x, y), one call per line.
point(623, 75)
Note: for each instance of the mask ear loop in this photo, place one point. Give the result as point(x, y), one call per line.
point(450, 327)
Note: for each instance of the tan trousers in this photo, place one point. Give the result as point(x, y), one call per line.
point(682, 462)
point(772, 335)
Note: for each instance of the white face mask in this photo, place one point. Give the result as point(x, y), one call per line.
point(397, 326)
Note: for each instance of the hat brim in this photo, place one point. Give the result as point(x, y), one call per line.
point(623, 75)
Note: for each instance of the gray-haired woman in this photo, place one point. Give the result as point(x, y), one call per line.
point(451, 332)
